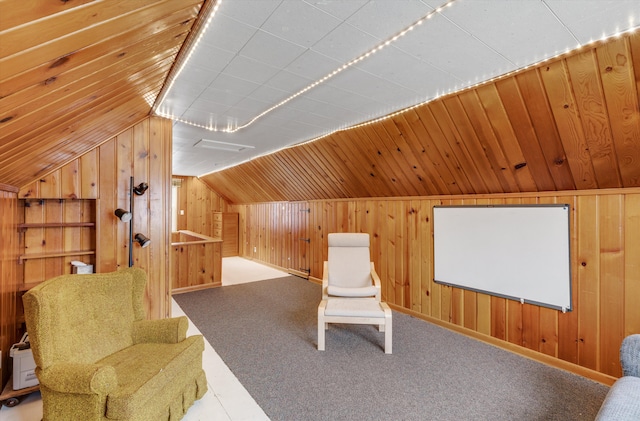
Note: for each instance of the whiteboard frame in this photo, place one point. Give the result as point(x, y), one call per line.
point(564, 303)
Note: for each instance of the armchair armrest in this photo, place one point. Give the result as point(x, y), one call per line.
point(630, 355)
point(79, 378)
point(376, 282)
point(172, 330)
point(325, 280)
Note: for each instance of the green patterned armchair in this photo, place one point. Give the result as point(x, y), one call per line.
point(97, 356)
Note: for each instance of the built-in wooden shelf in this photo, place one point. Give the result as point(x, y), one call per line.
point(61, 254)
point(22, 227)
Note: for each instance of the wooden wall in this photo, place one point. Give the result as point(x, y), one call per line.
point(144, 152)
point(605, 266)
point(8, 283)
point(198, 201)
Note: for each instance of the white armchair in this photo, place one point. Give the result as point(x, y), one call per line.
point(351, 291)
point(349, 271)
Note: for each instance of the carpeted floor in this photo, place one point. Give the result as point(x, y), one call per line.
point(266, 333)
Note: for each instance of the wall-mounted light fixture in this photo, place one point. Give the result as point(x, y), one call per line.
point(123, 215)
point(142, 240)
point(140, 189)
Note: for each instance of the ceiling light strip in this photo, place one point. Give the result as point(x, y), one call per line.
point(591, 43)
point(211, 12)
point(340, 69)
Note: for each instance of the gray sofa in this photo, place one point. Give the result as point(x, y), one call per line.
point(623, 400)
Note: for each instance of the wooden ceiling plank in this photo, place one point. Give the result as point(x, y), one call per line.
point(430, 125)
point(470, 143)
point(448, 126)
point(359, 162)
point(41, 31)
point(54, 102)
point(36, 164)
point(341, 164)
point(117, 45)
point(516, 109)
point(621, 95)
point(74, 126)
point(19, 12)
point(326, 187)
point(505, 136)
point(65, 46)
point(488, 141)
point(15, 130)
point(566, 113)
point(532, 90)
point(69, 80)
point(385, 159)
point(410, 163)
point(365, 150)
point(429, 160)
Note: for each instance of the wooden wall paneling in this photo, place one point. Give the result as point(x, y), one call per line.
point(610, 220)
point(506, 137)
point(9, 279)
point(52, 238)
point(591, 107)
point(534, 95)
point(33, 242)
point(23, 12)
point(565, 110)
point(621, 96)
point(516, 108)
point(588, 281)
point(568, 337)
point(548, 318)
point(124, 172)
point(632, 264)
point(111, 193)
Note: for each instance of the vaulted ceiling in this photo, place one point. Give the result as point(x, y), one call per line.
point(75, 73)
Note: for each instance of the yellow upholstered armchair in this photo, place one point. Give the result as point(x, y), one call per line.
point(97, 356)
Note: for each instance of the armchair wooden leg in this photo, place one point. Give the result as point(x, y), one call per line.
point(321, 325)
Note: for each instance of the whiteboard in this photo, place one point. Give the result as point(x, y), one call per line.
point(516, 252)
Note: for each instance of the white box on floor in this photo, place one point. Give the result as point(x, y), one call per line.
point(23, 364)
point(80, 267)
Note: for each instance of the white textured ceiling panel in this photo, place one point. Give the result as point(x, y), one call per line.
point(257, 54)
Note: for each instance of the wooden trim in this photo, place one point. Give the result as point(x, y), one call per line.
point(9, 188)
point(24, 257)
point(182, 290)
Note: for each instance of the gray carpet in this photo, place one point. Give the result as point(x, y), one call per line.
point(266, 333)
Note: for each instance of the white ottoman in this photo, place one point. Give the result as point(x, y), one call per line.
point(365, 311)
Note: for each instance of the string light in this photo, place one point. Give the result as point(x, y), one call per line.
point(340, 69)
point(438, 96)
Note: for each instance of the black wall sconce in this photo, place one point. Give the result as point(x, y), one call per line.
point(142, 240)
point(139, 190)
point(123, 215)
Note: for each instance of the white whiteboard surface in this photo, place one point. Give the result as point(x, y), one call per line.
point(516, 252)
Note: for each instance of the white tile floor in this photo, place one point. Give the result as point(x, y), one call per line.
point(226, 399)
